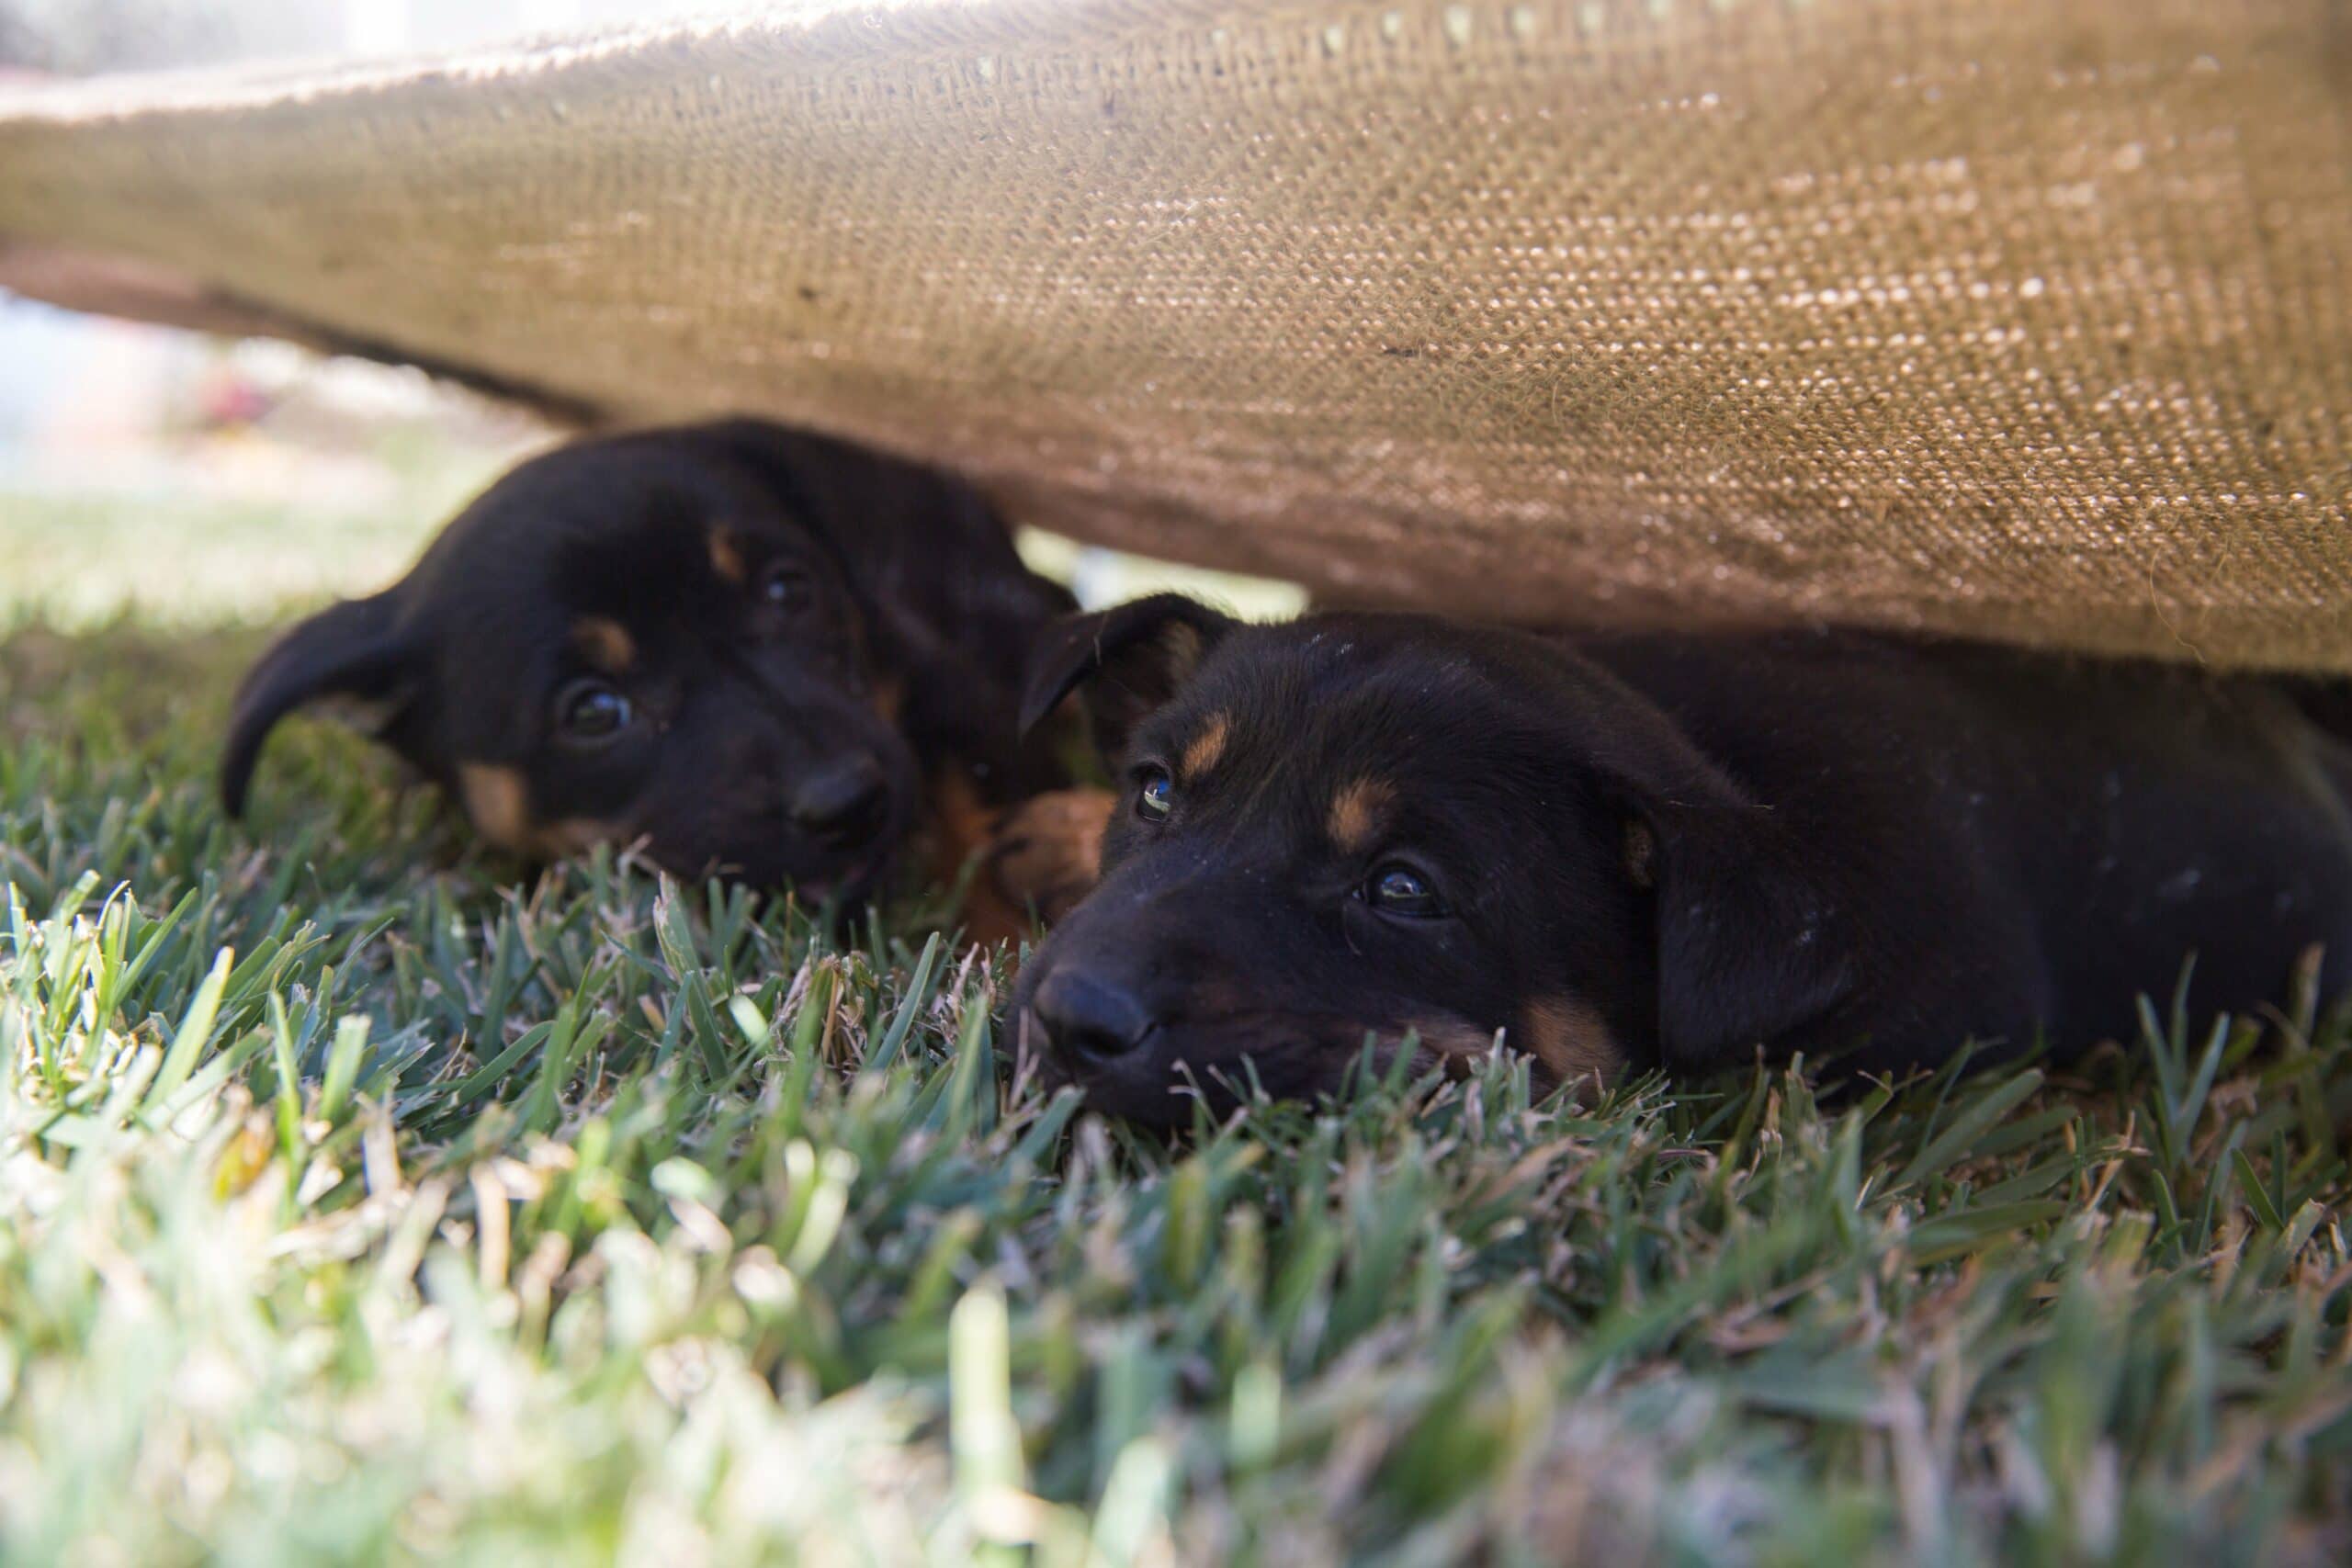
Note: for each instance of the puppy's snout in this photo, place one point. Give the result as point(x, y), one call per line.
point(843, 803)
point(1089, 1017)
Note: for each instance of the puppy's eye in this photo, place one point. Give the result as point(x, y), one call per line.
point(1154, 795)
point(785, 586)
point(590, 711)
point(1396, 889)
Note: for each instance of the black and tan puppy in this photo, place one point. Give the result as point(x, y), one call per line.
point(1659, 851)
point(762, 653)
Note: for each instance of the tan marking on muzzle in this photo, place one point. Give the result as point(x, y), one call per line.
point(1207, 746)
point(570, 837)
point(1573, 1043)
point(1456, 1043)
point(497, 799)
point(727, 555)
point(604, 643)
point(1355, 813)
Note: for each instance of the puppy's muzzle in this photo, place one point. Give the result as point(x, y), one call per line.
point(843, 805)
point(1089, 1018)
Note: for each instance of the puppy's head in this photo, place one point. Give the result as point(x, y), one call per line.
point(1357, 829)
point(700, 638)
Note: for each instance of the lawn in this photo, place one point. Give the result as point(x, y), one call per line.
point(364, 1197)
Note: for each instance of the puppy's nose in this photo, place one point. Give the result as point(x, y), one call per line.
point(1086, 1016)
point(842, 802)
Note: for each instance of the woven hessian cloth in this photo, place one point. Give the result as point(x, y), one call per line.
point(2030, 319)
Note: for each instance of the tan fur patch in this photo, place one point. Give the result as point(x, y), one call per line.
point(956, 825)
point(1206, 747)
point(1356, 812)
point(604, 643)
point(1455, 1043)
point(727, 555)
point(889, 700)
point(1048, 854)
point(573, 836)
point(961, 821)
point(1572, 1042)
point(498, 802)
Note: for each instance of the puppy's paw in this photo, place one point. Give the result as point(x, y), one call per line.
point(1048, 849)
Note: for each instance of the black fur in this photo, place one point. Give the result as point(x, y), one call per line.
point(890, 657)
point(1688, 846)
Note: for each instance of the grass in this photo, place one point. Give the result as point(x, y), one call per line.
point(360, 1199)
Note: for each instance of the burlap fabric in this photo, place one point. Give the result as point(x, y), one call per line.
point(2024, 318)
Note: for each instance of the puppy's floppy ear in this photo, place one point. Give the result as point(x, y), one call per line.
point(1131, 658)
point(1751, 944)
point(352, 650)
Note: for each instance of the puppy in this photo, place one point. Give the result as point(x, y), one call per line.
point(1630, 852)
point(762, 653)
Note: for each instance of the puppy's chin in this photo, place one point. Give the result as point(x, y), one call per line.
point(1215, 1062)
point(769, 859)
point(845, 889)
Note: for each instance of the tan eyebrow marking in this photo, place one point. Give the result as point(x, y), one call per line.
point(606, 643)
point(1206, 747)
point(1573, 1043)
point(727, 555)
point(1356, 812)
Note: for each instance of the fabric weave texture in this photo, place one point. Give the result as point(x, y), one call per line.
point(2023, 321)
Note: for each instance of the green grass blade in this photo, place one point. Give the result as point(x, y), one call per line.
point(193, 1033)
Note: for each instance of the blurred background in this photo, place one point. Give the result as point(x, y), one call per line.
point(188, 482)
point(78, 37)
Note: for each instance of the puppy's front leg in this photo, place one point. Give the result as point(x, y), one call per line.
point(1049, 851)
